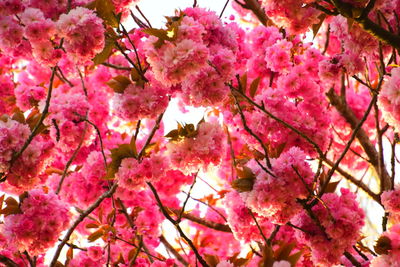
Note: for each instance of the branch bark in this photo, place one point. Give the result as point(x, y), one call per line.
point(213, 225)
point(362, 136)
point(81, 217)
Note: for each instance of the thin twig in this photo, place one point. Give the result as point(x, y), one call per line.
point(182, 234)
point(171, 249)
point(40, 121)
point(81, 217)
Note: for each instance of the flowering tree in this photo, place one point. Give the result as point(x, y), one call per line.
point(302, 119)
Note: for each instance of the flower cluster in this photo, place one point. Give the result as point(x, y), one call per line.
point(83, 33)
point(388, 246)
point(68, 108)
point(132, 174)
point(340, 221)
point(291, 14)
point(389, 99)
point(391, 202)
point(13, 136)
point(202, 53)
point(37, 228)
point(137, 101)
point(205, 148)
point(275, 196)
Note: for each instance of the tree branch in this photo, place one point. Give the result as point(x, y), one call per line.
point(81, 217)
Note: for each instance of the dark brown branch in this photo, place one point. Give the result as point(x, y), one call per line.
point(171, 249)
point(352, 259)
point(201, 221)
point(132, 225)
point(116, 66)
point(223, 9)
point(348, 114)
point(41, 119)
point(356, 129)
point(176, 224)
point(287, 125)
point(151, 135)
point(71, 159)
point(8, 262)
point(355, 181)
point(187, 199)
point(81, 217)
point(368, 25)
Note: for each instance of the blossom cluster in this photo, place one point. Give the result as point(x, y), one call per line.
point(201, 53)
point(37, 228)
point(275, 197)
point(133, 174)
point(389, 99)
point(340, 221)
point(190, 154)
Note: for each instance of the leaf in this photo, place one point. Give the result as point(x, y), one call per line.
point(331, 187)
point(19, 116)
point(1, 201)
point(243, 184)
point(283, 252)
point(133, 145)
point(293, 259)
point(11, 208)
point(350, 23)
point(117, 155)
point(161, 34)
point(109, 45)
point(11, 202)
point(33, 119)
point(119, 83)
point(92, 225)
point(119, 260)
point(212, 260)
point(110, 216)
point(173, 135)
point(23, 196)
point(317, 26)
point(96, 235)
point(277, 151)
point(243, 83)
point(70, 253)
point(268, 257)
point(106, 11)
point(132, 254)
point(169, 34)
point(245, 172)
point(254, 86)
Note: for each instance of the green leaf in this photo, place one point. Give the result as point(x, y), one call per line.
point(110, 39)
point(117, 155)
point(119, 83)
point(106, 11)
point(19, 116)
point(96, 235)
point(245, 172)
point(243, 184)
point(283, 252)
point(133, 145)
point(293, 259)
